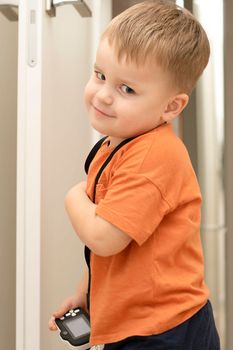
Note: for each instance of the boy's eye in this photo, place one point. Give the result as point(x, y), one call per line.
point(99, 75)
point(127, 90)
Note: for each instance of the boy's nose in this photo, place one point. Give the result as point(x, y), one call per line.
point(105, 96)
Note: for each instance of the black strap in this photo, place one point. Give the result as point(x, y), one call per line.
point(92, 153)
point(106, 163)
point(89, 159)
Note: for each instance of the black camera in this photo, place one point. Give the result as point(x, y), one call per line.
point(75, 328)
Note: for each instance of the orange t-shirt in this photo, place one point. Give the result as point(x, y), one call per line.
point(149, 191)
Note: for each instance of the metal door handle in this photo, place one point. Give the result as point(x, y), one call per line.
point(80, 5)
point(9, 9)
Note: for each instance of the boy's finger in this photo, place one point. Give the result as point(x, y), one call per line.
point(63, 309)
point(52, 324)
point(60, 312)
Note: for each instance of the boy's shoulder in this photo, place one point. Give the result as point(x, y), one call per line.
point(158, 147)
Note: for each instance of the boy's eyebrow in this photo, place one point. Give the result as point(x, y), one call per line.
point(96, 66)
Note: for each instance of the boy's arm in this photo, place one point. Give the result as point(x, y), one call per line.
point(99, 235)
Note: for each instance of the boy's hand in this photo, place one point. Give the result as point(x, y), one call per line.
point(68, 304)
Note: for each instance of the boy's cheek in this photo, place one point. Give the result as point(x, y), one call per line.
point(88, 94)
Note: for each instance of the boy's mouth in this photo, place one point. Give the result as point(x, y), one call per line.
point(100, 112)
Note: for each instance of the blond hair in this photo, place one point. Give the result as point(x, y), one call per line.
point(161, 31)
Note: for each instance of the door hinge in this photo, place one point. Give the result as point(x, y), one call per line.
point(80, 5)
point(9, 9)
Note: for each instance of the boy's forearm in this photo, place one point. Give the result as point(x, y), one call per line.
point(93, 231)
point(81, 292)
point(83, 285)
point(97, 234)
point(81, 212)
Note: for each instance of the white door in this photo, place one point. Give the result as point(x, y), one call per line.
point(44, 138)
point(8, 127)
point(68, 45)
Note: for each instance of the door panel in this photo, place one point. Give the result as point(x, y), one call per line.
point(65, 142)
point(69, 43)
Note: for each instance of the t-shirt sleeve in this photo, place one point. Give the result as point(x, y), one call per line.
point(133, 204)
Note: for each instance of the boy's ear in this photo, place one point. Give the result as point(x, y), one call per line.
point(175, 107)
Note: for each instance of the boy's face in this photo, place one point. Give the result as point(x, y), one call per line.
point(125, 100)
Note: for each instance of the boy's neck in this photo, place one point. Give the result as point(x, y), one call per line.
point(115, 141)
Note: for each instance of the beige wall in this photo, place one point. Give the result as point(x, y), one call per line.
point(8, 115)
point(65, 144)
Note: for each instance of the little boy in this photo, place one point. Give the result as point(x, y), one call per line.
point(143, 227)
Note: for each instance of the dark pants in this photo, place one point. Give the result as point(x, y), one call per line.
point(197, 333)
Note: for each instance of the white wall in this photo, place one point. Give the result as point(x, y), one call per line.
point(8, 120)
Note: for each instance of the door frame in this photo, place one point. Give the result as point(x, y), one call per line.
point(28, 176)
